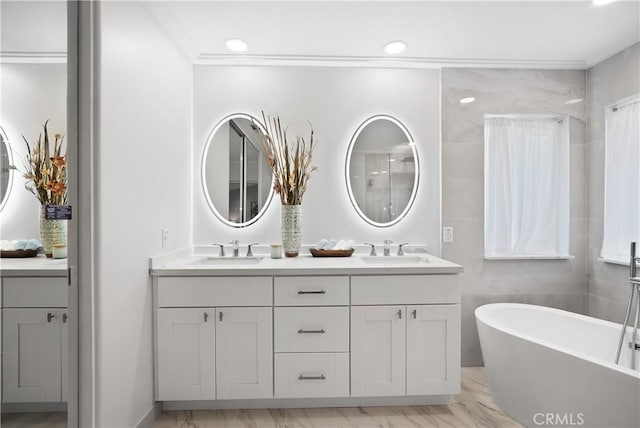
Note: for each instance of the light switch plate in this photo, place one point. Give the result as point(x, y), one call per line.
point(447, 235)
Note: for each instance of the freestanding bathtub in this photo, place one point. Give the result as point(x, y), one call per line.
point(548, 367)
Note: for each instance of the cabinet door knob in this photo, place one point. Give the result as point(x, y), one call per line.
point(64, 318)
point(415, 314)
point(400, 314)
point(220, 316)
point(50, 316)
point(206, 317)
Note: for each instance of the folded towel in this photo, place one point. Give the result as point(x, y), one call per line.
point(329, 245)
point(33, 244)
point(21, 244)
point(320, 245)
point(341, 245)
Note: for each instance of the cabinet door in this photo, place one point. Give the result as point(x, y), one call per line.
point(433, 349)
point(186, 354)
point(32, 355)
point(244, 352)
point(378, 349)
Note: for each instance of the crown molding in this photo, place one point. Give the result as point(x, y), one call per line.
point(16, 57)
point(381, 62)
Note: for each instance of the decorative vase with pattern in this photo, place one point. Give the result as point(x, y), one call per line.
point(51, 232)
point(291, 229)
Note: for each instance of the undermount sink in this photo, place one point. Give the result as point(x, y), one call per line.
point(222, 261)
point(400, 260)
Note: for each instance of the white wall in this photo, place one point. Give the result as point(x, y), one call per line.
point(336, 101)
point(30, 94)
point(143, 186)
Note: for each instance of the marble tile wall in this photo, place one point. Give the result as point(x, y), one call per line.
point(607, 82)
point(557, 283)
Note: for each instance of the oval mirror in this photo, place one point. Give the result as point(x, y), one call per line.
point(237, 180)
point(382, 170)
point(6, 173)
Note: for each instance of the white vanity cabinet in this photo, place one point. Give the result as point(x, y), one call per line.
point(302, 336)
point(209, 348)
point(405, 349)
point(34, 339)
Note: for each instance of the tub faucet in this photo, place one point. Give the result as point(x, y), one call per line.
point(387, 247)
point(236, 247)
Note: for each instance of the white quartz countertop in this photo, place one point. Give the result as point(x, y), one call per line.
point(33, 266)
point(196, 265)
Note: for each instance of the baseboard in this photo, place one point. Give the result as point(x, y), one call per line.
point(151, 416)
point(34, 407)
point(293, 403)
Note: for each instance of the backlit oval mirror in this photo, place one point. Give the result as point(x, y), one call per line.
point(236, 178)
point(382, 170)
point(6, 173)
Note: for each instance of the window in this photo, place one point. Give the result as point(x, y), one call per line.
point(622, 179)
point(526, 185)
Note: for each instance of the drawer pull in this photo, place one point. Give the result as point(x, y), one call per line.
point(50, 316)
point(321, 331)
point(415, 314)
point(206, 317)
point(302, 377)
point(312, 292)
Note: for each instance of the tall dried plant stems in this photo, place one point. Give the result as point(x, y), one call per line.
point(291, 166)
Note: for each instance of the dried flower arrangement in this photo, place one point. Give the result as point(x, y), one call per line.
point(46, 169)
point(291, 164)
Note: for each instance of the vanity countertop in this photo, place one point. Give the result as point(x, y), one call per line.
point(33, 266)
point(196, 265)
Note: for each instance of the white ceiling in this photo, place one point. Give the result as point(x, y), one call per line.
point(547, 34)
point(532, 34)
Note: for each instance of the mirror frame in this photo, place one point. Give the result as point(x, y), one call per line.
point(4, 140)
point(203, 168)
point(416, 179)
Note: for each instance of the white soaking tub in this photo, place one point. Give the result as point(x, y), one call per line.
point(548, 367)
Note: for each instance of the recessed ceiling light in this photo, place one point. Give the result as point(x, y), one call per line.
point(467, 100)
point(395, 47)
point(602, 2)
point(236, 45)
point(574, 101)
point(374, 172)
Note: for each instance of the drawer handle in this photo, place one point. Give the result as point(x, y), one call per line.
point(312, 292)
point(321, 377)
point(50, 316)
point(321, 331)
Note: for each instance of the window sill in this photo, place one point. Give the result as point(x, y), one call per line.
point(614, 262)
point(529, 257)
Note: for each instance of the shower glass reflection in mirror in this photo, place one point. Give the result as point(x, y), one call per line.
point(236, 177)
point(6, 173)
point(382, 170)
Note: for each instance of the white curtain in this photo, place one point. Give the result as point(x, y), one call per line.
point(526, 210)
point(622, 181)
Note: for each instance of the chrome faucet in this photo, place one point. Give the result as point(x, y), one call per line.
point(387, 247)
point(236, 247)
point(221, 249)
point(249, 253)
point(400, 252)
point(373, 249)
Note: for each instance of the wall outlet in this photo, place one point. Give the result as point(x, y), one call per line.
point(447, 235)
point(165, 238)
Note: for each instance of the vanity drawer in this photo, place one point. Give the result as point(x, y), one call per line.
point(214, 291)
point(311, 375)
point(311, 290)
point(311, 329)
point(41, 292)
point(405, 289)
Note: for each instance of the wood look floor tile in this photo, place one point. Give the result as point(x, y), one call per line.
point(473, 407)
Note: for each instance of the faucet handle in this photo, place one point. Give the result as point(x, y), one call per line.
point(388, 241)
point(373, 249)
point(400, 252)
point(221, 249)
point(249, 253)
